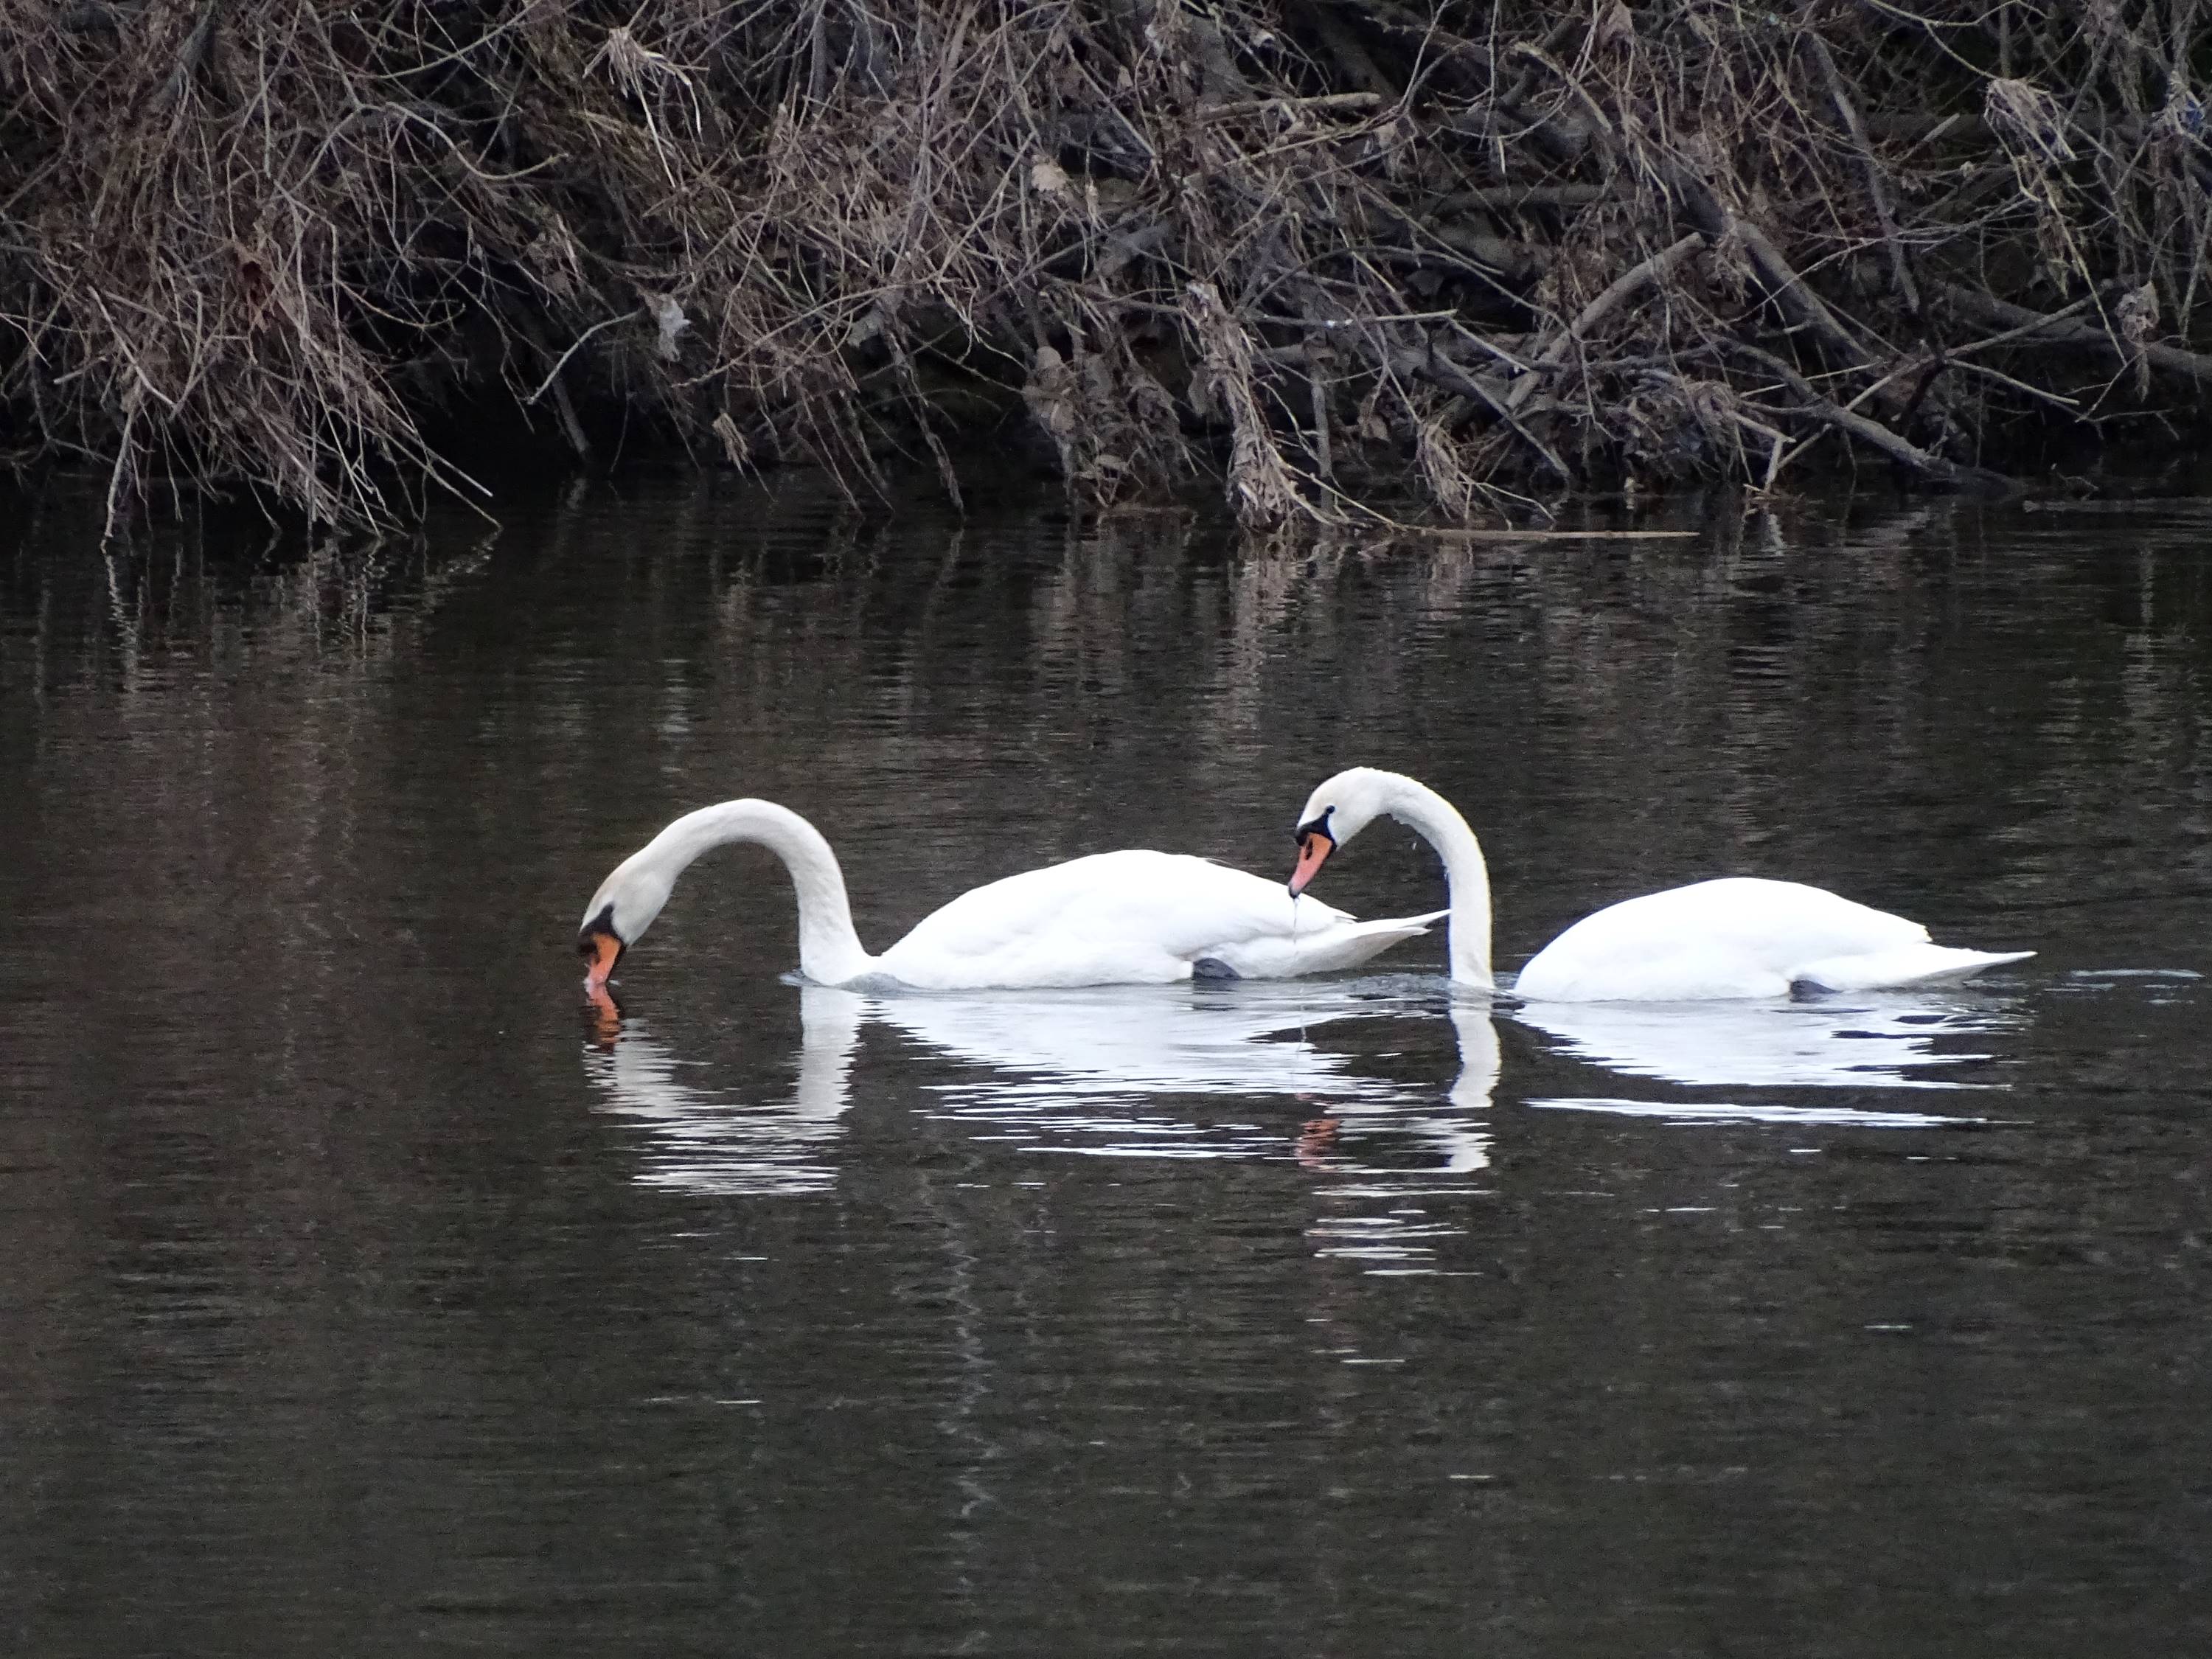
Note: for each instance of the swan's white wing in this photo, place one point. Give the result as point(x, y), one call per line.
point(1739, 936)
point(1126, 917)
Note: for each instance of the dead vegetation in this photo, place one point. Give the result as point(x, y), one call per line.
point(1343, 255)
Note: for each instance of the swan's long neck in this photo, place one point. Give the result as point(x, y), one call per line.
point(1438, 822)
point(829, 952)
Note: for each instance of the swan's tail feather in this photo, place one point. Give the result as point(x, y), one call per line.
point(1406, 927)
point(1911, 964)
point(1357, 942)
point(1345, 944)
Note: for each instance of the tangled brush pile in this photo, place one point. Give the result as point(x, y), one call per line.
point(1353, 257)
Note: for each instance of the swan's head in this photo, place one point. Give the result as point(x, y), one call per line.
point(1334, 813)
point(618, 915)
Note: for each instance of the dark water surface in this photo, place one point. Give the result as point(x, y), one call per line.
point(363, 1296)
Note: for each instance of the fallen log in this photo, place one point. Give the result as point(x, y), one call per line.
point(2025, 325)
point(1873, 432)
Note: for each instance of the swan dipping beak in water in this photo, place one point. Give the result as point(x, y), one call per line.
point(601, 947)
point(1126, 917)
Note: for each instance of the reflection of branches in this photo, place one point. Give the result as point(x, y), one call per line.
point(346, 600)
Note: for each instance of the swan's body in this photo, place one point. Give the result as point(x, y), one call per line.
point(1110, 918)
point(1738, 937)
point(1129, 917)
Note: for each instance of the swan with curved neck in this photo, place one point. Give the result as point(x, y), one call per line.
point(1739, 936)
point(1352, 800)
point(1130, 917)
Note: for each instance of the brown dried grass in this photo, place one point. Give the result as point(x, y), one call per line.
point(1340, 254)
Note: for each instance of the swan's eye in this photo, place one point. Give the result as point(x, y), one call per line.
point(602, 925)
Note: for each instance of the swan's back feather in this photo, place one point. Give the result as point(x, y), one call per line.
point(1129, 916)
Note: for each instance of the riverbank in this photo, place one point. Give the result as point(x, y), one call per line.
point(1339, 259)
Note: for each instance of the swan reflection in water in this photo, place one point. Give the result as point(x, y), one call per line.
point(710, 1139)
point(1898, 1040)
point(1084, 1072)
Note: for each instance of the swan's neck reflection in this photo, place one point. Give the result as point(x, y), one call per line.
point(829, 1033)
point(1077, 1072)
point(1455, 1141)
point(1479, 1056)
point(710, 1139)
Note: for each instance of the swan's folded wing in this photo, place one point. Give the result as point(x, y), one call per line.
point(1131, 916)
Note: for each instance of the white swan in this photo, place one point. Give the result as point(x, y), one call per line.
point(1737, 937)
point(1112, 919)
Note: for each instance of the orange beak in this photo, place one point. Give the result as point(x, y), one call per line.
point(1314, 848)
point(601, 950)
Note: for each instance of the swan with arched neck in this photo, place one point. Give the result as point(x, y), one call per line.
point(1131, 917)
point(1738, 936)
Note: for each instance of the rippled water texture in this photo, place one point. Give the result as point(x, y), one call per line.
point(366, 1295)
